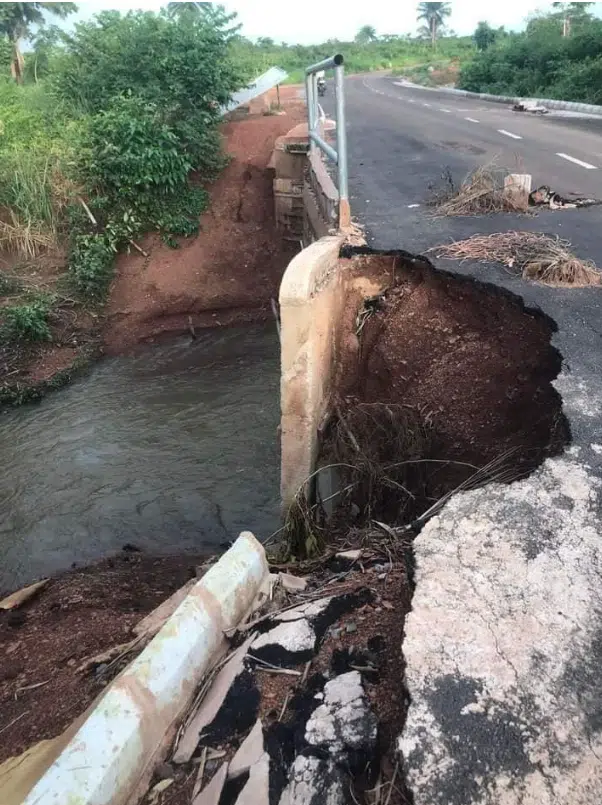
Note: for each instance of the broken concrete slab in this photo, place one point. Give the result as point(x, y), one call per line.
point(212, 703)
point(344, 721)
point(503, 646)
point(295, 637)
point(212, 793)
point(257, 788)
point(314, 782)
point(251, 751)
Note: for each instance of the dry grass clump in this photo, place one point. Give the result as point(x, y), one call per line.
point(481, 193)
point(24, 239)
point(382, 456)
point(538, 257)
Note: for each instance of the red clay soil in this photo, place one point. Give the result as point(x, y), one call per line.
point(231, 270)
point(74, 618)
point(475, 364)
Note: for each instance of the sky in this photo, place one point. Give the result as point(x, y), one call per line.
point(322, 20)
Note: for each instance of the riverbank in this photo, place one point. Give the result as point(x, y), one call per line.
point(224, 275)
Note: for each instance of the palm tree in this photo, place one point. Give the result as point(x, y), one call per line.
point(16, 20)
point(434, 15)
point(173, 9)
point(571, 11)
point(366, 34)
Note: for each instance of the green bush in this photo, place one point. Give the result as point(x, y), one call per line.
point(27, 322)
point(542, 63)
point(130, 151)
point(91, 265)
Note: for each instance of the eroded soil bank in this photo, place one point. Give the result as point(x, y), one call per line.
point(469, 366)
point(226, 274)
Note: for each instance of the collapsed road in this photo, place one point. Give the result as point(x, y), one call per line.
point(502, 647)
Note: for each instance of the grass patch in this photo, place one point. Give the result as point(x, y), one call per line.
point(537, 257)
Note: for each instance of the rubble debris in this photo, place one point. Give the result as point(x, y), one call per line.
point(212, 703)
point(314, 780)
point(257, 789)
point(251, 752)
point(530, 106)
point(344, 721)
point(20, 597)
point(292, 584)
point(212, 793)
point(544, 196)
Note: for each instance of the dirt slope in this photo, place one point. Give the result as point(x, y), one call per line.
point(229, 272)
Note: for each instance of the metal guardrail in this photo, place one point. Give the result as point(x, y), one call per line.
point(338, 156)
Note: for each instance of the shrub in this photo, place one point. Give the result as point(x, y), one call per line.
point(91, 265)
point(27, 322)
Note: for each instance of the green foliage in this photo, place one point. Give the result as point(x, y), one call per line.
point(542, 62)
point(179, 64)
point(91, 265)
point(131, 151)
point(16, 21)
point(385, 53)
point(367, 33)
point(28, 321)
point(484, 36)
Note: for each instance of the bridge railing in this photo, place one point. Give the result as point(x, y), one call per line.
point(316, 133)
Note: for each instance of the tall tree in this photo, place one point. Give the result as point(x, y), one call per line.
point(213, 13)
point(366, 34)
point(570, 13)
point(484, 36)
point(16, 20)
point(434, 16)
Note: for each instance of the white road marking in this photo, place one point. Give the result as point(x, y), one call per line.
point(509, 134)
point(471, 120)
point(447, 112)
point(427, 104)
point(578, 162)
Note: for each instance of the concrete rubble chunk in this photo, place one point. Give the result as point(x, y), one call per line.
point(311, 610)
point(257, 789)
point(314, 782)
point(296, 637)
point(344, 721)
point(292, 584)
point(212, 703)
point(212, 793)
point(251, 751)
point(504, 646)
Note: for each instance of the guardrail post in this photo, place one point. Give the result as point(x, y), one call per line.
point(344, 207)
point(316, 138)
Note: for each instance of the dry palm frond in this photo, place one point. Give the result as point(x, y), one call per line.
point(537, 257)
point(481, 193)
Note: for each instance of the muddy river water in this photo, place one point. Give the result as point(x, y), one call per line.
point(172, 449)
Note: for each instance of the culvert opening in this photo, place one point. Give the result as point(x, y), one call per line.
point(444, 384)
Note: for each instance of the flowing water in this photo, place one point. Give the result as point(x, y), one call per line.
point(173, 449)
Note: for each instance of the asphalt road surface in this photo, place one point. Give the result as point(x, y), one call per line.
point(402, 140)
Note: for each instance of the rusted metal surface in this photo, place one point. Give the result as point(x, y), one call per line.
point(107, 757)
